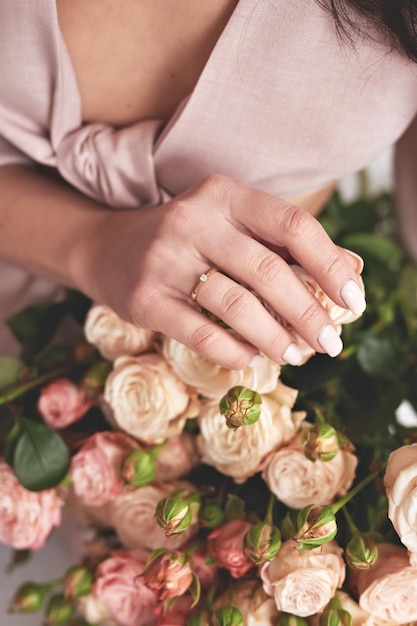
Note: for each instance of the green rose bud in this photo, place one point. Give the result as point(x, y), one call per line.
point(336, 617)
point(322, 443)
point(174, 515)
point(227, 616)
point(211, 515)
point(138, 468)
point(361, 553)
point(241, 407)
point(315, 526)
point(29, 598)
point(286, 619)
point(262, 542)
point(93, 381)
point(78, 582)
point(60, 610)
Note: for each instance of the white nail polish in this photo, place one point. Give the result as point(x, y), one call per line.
point(353, 297)
point(257, 361)
point(293, 355)
point(330, 341)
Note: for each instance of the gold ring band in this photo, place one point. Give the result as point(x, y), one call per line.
point(202, 279)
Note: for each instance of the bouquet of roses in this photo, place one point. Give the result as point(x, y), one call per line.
point(211, 497)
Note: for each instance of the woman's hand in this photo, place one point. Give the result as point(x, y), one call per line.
point(146, 264)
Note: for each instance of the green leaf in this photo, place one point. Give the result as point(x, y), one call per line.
point(11, 371)
point(11, 441)
point(381, 356)
point(41, 458)
point(35, 326)
point(377, 247)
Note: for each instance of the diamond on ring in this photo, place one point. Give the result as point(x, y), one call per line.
point(202, 279)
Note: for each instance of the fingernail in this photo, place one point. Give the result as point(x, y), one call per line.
point(353, 297)
point(330, 341)
point(293, 355)
point(360, 262)
point(257, 361)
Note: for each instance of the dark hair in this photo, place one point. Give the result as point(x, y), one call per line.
point(395, 19)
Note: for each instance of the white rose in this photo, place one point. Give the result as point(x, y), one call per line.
point(112, 336)
point(133, 516)
point(213, 381)
point(256, 607)
point(240, 453)
point(359, 616)
point(303, 583)
point(401, 486)
point(146, 398)
point(388, 591)
point(94, 611)
point(296, 481)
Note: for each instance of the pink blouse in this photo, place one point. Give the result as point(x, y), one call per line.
point(281, 104)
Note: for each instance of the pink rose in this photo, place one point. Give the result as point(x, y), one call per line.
point(169, 575)
point(26, 517)
point(303, 583)
point(400, 483)
point(119, 587)
point(297, 482)
point(225, 544)
point(62, 403)
point(388, 591)
point(177, 613)
point(133, 515)
point(256, 607)
point(177, 457)
point(205, 571)
point(95, 469)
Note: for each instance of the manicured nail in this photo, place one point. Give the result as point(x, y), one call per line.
point(257, 361)
point(330, 341)
point(353, 297)
point(359, 259)
point(293, 355)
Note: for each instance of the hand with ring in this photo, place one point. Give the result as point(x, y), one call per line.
point(220, 245)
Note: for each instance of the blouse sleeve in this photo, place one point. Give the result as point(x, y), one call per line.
point(10, 155)
point(405, 170)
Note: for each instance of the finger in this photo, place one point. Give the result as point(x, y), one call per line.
point(179, 320)
point(277, 284)
point(243, 312)
point(282, 224)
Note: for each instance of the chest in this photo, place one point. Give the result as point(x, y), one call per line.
point(138, 59)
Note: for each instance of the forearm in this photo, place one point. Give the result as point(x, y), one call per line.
point(45, 226)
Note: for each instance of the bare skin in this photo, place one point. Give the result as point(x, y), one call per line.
point(121, 258)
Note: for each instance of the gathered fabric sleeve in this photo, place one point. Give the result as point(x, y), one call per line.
point(10, 155)
point(405, 170)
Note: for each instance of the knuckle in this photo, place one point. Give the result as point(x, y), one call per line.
point(296, 221)
point(219, 187)
point(203, 338)
point(234, 301)
point(308, 314)
point(268, 269)
point(333, 264)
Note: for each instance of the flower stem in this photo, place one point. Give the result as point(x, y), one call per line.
point(269, 517)
point(32, 384)
point(352, 493)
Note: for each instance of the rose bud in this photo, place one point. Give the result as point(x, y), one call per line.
point(335, 617)
point(59, 610)
point(78, 582)
point(240, 406)
point(138, 468)
point(262, 542)
point(361, 552)
point(29, 598)
point(174, 515)
point(168, 574)
point(287, 619)
point(62, 403)
point(211, 515)
point(315, 526)
point(322, 443)
point(227, 616)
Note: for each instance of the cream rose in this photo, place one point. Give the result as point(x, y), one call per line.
point(241, 453)
point(401, 486)
point(388, 591)
point(26, 517)
point(133, 517)
point(94, 611)
point(256, 607)
point(296, 481)
point(177, 457)
point(213, 381)
point(303, 583)
point(147, 400)
point(112, 336)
